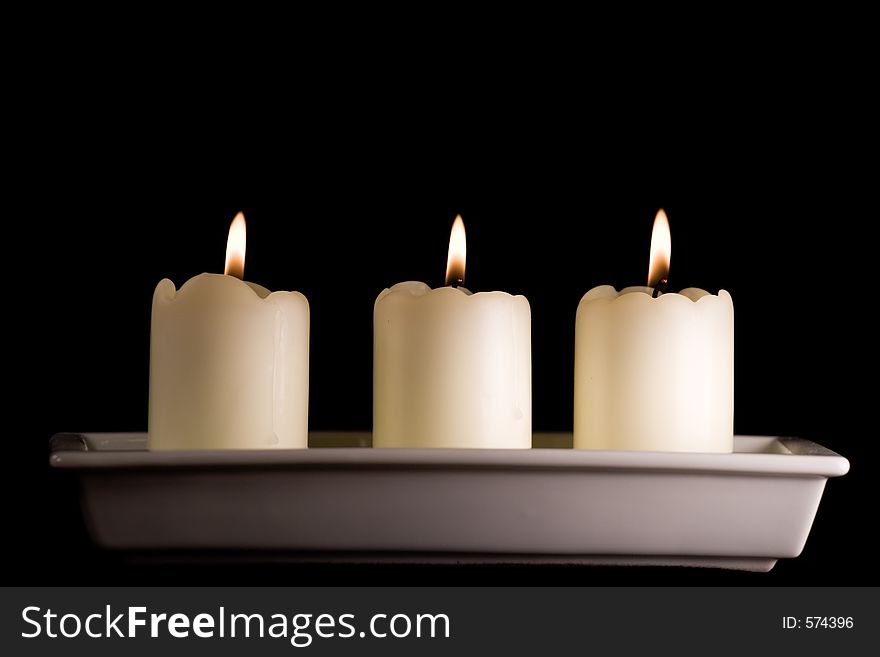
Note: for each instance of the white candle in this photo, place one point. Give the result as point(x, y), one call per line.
point(654, 373)
point(228, 362)
point(450, 368)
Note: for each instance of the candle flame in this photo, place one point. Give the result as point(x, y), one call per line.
point(457, 254)
point(235, 247)
point(661, 250)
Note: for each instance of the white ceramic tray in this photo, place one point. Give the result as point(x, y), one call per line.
point(556, 505)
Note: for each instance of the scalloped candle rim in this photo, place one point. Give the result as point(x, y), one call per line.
point(418, 289)
point(642, 294)
point(169, 292)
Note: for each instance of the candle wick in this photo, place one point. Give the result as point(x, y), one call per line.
point(660, 288)
point(455, 282)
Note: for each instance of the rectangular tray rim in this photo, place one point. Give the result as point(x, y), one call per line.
point(69, 451)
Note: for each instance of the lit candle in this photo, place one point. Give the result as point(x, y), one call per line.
point(451, 368)
point(229, 361)
point(654, 371)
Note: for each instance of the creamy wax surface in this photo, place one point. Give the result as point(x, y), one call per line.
point(451, 369)
point(229, 366)
point(654, 373)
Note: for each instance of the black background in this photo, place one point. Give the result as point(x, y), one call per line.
point(558, 183)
